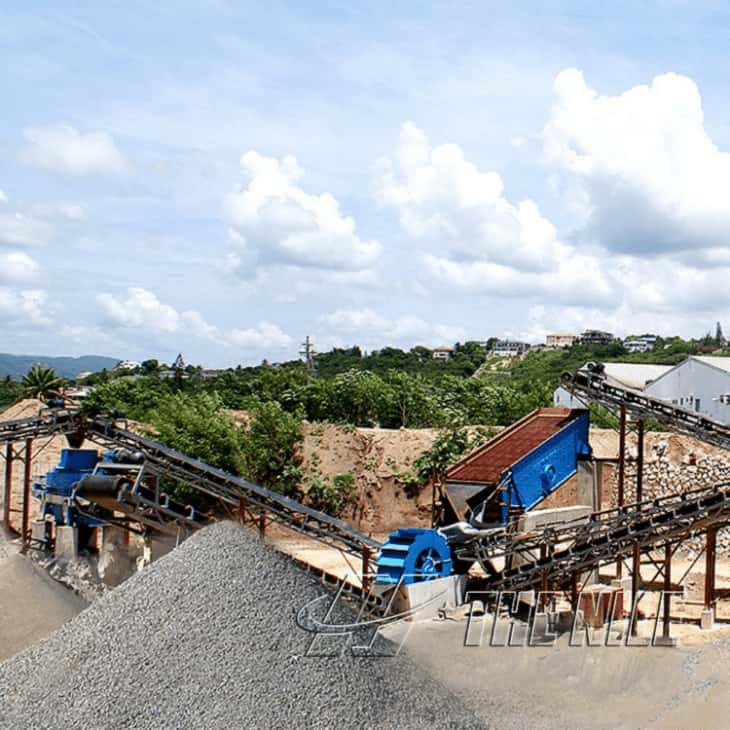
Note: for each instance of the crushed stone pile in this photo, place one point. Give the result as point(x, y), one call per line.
point(207, 637)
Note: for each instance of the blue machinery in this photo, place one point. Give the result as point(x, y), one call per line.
point(413, 554)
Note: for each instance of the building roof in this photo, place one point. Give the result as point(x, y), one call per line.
point(486, 464)
point(632, 375)
point(719, 363)
point(722, 363)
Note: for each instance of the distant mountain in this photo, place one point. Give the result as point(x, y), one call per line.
point(67, 367)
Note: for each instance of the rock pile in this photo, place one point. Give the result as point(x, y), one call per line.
point(663, 476)
point(206, 637)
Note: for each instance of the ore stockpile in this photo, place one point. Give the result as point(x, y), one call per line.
point(207, 637)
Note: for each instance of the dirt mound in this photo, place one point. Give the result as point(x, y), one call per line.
point(375, 457)
point(32, 604)
point(26, 408)
point(207, 637)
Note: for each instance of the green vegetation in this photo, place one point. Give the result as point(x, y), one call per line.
point(10, 391)
point(271, 446)
point(448, 447)
point(41, 382)
point(330, 496)
point(198, 426)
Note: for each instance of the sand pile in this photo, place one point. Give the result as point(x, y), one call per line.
point(207, 637)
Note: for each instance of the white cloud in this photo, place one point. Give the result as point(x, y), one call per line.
point(445, 199)
point(3, 197)
point(141, 309)
point(473, 237)
point(19, 230)
point(17, 268)
point(277, 222)
point(653, 179)
point(65, 150)
point(24, 307)
point(366, 326)
point(265, 336)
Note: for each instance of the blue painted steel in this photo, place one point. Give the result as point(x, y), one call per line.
point(546, 467)
point(56, 488)
point(413, 554)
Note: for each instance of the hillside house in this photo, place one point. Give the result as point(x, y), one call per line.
point(509, 348)
point(644, 343)
point(560, 340)
point(442, 353)
point(596, 337)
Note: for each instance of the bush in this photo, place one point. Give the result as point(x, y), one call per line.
point(271, 448)
point(331, 497)
point(198, 426)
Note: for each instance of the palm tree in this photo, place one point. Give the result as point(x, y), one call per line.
point(41, 382)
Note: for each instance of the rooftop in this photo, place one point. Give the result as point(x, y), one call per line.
point(633, 375)
point(723, 363)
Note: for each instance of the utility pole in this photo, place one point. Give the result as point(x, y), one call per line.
point(308, 354)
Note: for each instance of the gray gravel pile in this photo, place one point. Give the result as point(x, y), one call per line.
point(206, 638)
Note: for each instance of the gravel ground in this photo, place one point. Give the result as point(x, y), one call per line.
point(206, 638)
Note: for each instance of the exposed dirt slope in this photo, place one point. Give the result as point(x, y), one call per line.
point(374, 457)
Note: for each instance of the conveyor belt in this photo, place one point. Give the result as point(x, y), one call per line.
point(230, 489)
point(571, 548)
point(594, 387)
point(200, 476)
point(47, 423)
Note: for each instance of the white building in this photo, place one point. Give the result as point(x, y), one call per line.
point(442, 353)
point(509, 348)
point(128, 365)
point(698, 383)
point(623, 374)
point(645, 343)
point(560, 340)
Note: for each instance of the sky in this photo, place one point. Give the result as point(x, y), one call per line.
point(222, 179)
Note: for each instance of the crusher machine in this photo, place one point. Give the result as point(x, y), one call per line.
point(86, 491)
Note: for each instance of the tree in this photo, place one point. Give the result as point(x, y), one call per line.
point(137, 397)
point(41, 382)
point(271, 448)
point(10, 391)
point(197, 425)
point(150, 366)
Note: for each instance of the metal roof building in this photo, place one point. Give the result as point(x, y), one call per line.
point(698, 383)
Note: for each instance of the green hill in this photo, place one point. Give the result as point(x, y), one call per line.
point(15, 366)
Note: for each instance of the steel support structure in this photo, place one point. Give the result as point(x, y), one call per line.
point(25, 529)
point(8, 491)
point(366, 555)
point(667, 590)
point(621, 475)
point(710, 564)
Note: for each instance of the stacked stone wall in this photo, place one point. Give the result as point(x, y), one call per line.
point(663, 476)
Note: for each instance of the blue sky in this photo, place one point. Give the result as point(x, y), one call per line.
point(222, 179)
